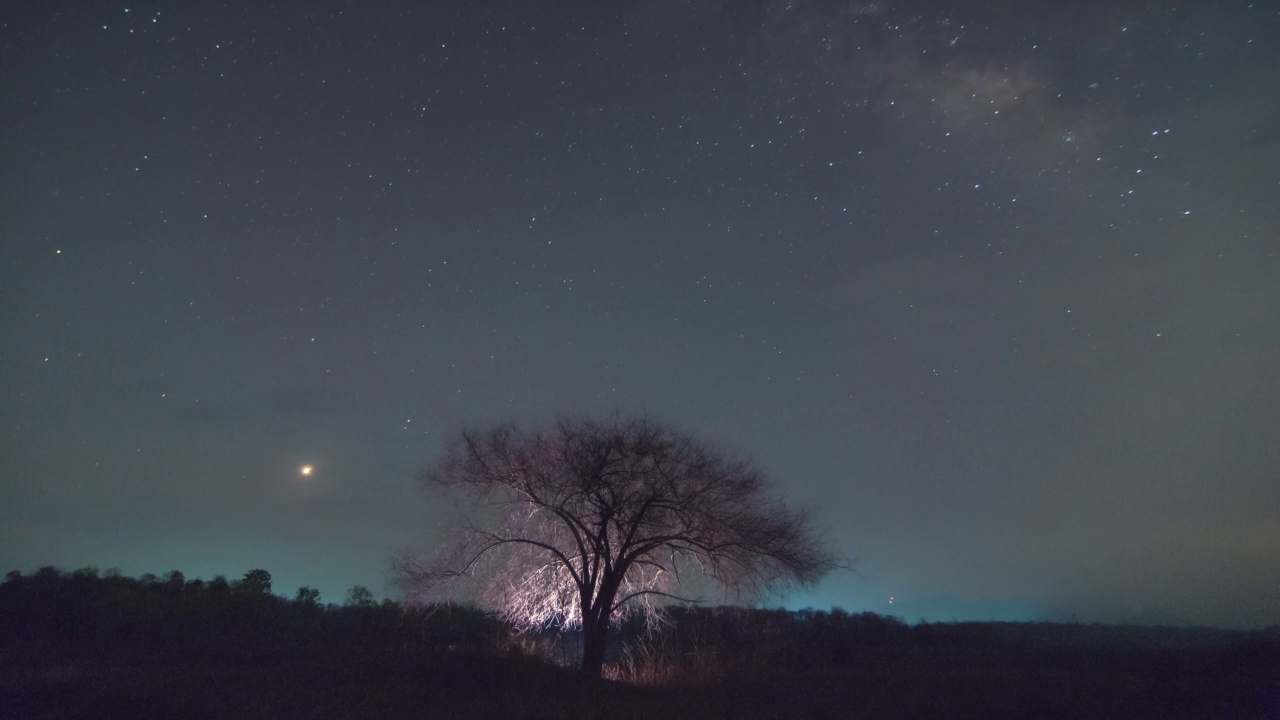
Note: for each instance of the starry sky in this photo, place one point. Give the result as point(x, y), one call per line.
point(990, 286)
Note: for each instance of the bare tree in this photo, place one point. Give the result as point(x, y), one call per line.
point(585, 523)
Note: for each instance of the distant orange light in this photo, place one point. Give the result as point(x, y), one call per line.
point(306, 470)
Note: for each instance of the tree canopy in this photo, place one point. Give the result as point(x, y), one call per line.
point(585, 522)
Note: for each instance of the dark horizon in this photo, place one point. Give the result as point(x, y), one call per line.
point(990, 287)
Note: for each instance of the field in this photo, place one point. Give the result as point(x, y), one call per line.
point(120, 648)
point(891, 684)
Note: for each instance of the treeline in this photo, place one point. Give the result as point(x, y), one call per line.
point(52, 616)
point(85, 616)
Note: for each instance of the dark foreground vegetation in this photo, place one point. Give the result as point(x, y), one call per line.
point(83, 645)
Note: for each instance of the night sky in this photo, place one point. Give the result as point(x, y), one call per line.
point(991, 286)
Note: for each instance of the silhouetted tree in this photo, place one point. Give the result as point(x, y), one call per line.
point(307, 596)
point(359, 596)
point(585, 523)
point(254, 582)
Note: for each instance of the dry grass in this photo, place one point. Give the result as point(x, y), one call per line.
point(886, 684)
point(74, 646)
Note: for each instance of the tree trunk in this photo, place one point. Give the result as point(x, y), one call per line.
point(595, 634)
point(595, 622)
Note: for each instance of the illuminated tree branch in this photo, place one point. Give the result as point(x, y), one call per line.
point(585, 523)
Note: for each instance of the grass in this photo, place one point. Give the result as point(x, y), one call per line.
point(883, 684)
point(82, 646)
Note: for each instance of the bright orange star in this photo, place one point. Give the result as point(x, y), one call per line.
point(306, 470)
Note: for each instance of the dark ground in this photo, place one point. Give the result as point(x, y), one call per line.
point(82, 646)
point(885, 684)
